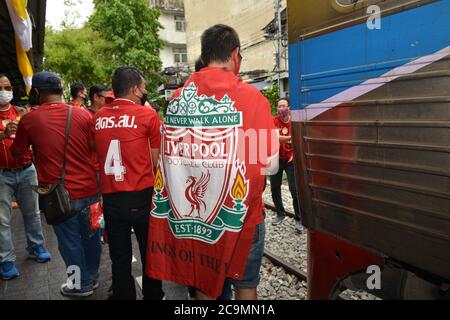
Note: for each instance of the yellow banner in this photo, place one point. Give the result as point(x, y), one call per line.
point(20, 6)
point(24, 65)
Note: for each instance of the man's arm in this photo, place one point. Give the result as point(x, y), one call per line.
point(286, 139)
point(273, 161)
point(21, 143)
point(155, 157)
point(3, 135)
point(155, 138)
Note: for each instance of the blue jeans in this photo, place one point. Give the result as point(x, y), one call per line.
point(19, 184)
point(79, 245)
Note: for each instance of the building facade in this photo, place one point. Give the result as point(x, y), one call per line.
point(254, 22)
point(173, 34)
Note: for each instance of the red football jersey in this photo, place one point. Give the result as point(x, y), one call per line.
point(45, 128)
point(286, 152)
point(218, 135)
point(125, 133)
point(7, 160)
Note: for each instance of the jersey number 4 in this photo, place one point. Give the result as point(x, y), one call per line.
point(113, 163)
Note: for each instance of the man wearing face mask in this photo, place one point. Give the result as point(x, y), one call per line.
point(45, 129)
point(127, 140)
point(79, 95)
point(286, 164)
point(16, 178)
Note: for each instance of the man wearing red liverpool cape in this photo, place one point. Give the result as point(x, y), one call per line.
point(218, 141)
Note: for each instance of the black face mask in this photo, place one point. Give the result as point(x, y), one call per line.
point(33, 98)
point(144, 99)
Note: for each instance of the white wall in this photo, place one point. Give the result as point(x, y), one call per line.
point(169, 33)
point(170, 36)
point(248, 17)
point(166, 56)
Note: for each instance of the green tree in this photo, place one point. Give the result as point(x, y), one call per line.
point(132, 26)
point(272, 95)
point(78, 55)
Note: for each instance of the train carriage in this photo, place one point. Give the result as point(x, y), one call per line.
point(369, 87)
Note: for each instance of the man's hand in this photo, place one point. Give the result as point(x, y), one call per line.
point(286, 139)
point(11, 129)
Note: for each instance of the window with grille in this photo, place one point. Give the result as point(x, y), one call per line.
point(180, 24)
point(180, 55)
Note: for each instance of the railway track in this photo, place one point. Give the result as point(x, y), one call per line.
point(277, 261)
point(285, 265)
point(288, 267)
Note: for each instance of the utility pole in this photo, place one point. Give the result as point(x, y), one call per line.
point(279, 38)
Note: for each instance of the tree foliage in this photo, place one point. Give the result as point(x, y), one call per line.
point(78, 55)
point(272, 94)
point(132, 27)
point(119, 33)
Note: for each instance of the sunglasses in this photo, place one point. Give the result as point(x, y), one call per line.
point(7, 88)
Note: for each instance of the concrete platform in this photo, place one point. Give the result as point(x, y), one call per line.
point(43, 281)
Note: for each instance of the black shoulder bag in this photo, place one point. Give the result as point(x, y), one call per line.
point(54, 199)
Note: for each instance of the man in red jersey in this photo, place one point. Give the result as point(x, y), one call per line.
point(79, 95)
point(44, 129)
point(207, 221)
point(16, 178)
point(98, 95)
point(127, 140)
point(283, 123)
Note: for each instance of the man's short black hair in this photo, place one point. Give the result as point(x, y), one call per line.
point(218, 42)
point(285, 99)
point(199, 65)
point(75, 89)
point(124, 79)
point(96, 89)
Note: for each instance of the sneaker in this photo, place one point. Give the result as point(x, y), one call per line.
point(95, 285)
point(72, 292)
point(40, 254)
point(8, 271)
point(298, 226)
point(277, 220)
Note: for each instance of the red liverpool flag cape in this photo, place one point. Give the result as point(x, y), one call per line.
point(216, 140)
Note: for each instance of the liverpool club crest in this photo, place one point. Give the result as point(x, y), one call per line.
point(200, 186)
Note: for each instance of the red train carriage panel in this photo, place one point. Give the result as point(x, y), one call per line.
point(369, 85)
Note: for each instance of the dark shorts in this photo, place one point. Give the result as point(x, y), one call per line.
point(252, 277)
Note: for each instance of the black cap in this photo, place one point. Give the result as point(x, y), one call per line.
point(46, 80)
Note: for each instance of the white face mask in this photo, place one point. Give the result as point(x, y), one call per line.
point(5, 97)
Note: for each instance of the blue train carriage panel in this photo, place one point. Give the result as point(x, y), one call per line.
point(369, 85)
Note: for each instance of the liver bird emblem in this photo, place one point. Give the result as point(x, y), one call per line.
point(195, 192)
